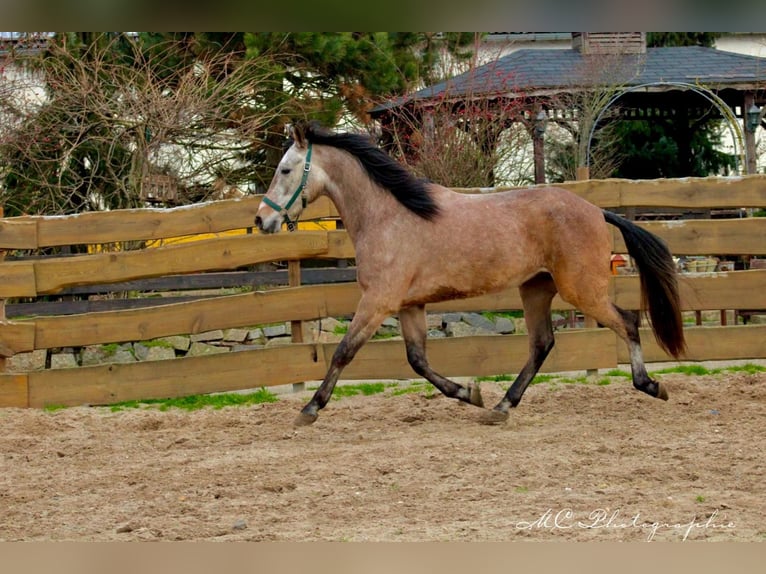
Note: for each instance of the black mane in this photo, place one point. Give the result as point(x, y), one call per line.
point(409, 190)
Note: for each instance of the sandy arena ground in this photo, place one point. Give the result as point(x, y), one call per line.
point(574, 462)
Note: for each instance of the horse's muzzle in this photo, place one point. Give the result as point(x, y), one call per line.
point(271, 225)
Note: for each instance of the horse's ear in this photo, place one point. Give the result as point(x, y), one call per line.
point(298, 134)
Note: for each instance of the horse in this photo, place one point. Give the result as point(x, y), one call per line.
point(418, 242)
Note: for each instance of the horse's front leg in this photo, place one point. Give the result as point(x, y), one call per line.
point(367, 318)
point(412, 321)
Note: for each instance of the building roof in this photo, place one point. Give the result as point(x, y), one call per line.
point(540, 72)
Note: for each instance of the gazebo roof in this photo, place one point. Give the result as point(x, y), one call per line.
point(546, 72)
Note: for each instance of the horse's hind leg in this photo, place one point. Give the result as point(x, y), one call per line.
point(641, 379)
point(412, 321)
point(625, 324)
point(536, 296)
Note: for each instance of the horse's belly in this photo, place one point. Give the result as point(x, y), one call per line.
point(449, 286)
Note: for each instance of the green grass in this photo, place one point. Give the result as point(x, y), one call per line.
point(691, 370)
point(196, 402)
point(608, 377)
point(413, 387)
point(493, 315)
point(221, 400)
point(157, 343)
point(341, 329)
point(699, 370)
point(360, 389)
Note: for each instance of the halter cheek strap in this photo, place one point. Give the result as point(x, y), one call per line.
point(291, 225)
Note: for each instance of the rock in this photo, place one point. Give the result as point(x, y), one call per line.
point(436, 334)
point(178, 342)
point(101, 355)
point(332, 325)
point(91, 355)
point(479, 321)
point(122, 356)
point(235, 335)
point(26, 362)
point(239, 525)
point(200, 349)
point(275, 331)
point(255, 334)
point(325, 337)
point(504, 326)
point(460, 329)
point(157, 353)
point(216, 335)
point(451, 317)
point(391, 322)
point(63, 361)
point(125, 528)
point(434, 321)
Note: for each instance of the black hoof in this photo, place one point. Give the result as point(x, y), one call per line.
point(305, 419)
point(493, 417)
point(475, 397)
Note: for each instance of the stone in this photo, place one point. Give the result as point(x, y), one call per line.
point(332, 325)
point(325, 337)
point(63, 361)
point(504, 326)
point(479, 321)
point(178, 342)
point(157, 353)
point(255, 334)
point(436, 334)
point(92, 355)
point(140, 351)
point(123, 356)
point(275, 331)
point(27, 362)
point(460, 329)
point(434, 321)
point(391, 322)
point(199, 349)
point(451, 318)
point(235, 335)
point(215, 335)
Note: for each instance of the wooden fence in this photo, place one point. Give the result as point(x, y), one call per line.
point(577, 349)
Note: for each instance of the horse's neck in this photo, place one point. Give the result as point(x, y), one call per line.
point(362, 205)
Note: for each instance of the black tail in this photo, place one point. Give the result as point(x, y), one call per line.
point(659, 285)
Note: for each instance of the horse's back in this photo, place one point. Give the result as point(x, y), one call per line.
point(486, 242)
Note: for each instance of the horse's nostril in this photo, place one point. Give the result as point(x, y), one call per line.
point(258, 222)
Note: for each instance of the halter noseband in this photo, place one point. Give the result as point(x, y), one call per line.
point(291, 225)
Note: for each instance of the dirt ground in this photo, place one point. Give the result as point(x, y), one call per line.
point(574, 462)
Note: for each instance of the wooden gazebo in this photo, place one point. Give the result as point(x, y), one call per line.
point(682, 82)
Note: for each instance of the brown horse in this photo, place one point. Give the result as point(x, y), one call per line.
point(418, 242)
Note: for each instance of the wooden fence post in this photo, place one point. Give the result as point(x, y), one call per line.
point(296, 327)
point(2, 301)
point(583, 174)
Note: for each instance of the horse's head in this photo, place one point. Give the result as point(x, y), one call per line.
point(287, 194)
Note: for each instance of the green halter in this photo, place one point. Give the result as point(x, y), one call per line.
point(291, 225)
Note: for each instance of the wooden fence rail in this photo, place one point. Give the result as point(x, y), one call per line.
point(575, 350)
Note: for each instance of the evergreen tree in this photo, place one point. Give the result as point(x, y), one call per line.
point(680, 146)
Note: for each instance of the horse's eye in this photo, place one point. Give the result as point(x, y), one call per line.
point(285, 171)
